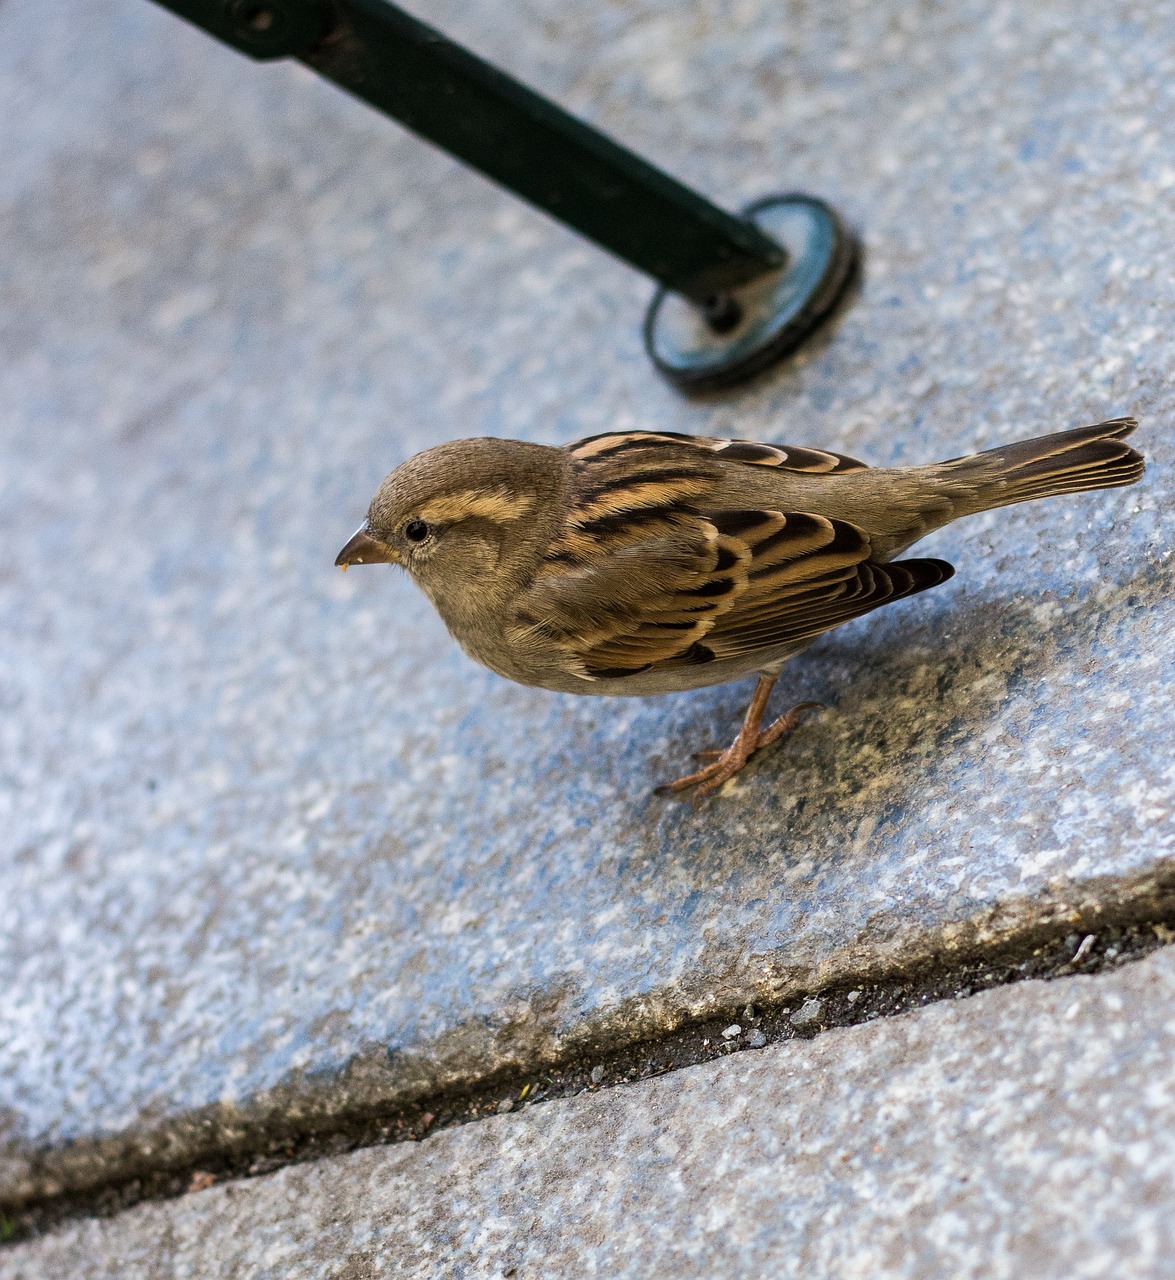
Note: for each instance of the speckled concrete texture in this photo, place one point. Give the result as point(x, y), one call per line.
point(1022, 1133)
point(272, 848)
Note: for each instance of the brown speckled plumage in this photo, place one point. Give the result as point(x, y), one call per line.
point(644, 562)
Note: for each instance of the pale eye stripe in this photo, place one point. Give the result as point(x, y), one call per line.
point(476, 504)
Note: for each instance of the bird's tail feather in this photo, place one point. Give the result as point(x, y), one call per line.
point(1066, 462)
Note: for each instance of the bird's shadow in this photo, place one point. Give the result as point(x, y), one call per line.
point(907, 695)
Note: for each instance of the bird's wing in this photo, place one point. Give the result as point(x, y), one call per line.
point(645, 577)
point(807, 574)
point(618, 448)
point(649, 599)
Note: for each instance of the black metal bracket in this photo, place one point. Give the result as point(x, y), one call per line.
point(730, 269)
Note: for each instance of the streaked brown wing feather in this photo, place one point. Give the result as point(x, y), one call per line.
point(621, 445)
point(638, 574)
point(644, 576)
point(644, 604)
point(820, 604)
point(807, 576)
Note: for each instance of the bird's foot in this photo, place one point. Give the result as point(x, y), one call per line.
point(725, 764)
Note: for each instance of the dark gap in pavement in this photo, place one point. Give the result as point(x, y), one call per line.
point(1101, 946)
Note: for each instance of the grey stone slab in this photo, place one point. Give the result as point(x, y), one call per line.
point(1025, 1132)
point(272, 848)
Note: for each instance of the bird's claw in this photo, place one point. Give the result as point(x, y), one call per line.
point(725, 764)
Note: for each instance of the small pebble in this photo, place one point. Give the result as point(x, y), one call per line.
point(733, 1030)
point(749, 1013)
point(853, 997)
point(756, 1039)
point(597, 1074)
point(808, 1013)
point(507, 1104)
point(1085, 948)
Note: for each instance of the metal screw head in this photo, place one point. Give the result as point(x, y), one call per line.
point(722, 312)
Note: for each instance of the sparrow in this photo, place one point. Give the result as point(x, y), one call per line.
point(651, 562)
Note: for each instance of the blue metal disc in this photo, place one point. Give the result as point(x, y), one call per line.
point(778, 311)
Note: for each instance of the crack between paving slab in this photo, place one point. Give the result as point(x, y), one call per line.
point(1001, 948)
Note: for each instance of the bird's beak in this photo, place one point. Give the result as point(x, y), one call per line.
point(364, 549)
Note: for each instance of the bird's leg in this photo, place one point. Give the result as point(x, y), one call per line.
point(784, 724)
point(750, 739)
point(749, 732)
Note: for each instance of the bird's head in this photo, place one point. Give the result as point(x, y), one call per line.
point(464, 518)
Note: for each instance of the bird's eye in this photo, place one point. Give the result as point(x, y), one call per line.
point(416, 531)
